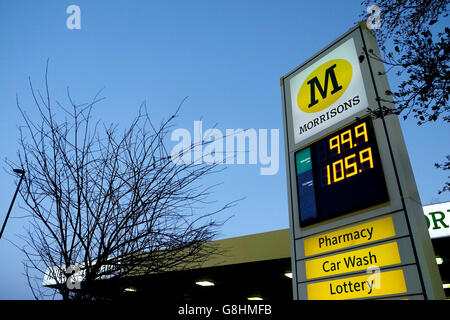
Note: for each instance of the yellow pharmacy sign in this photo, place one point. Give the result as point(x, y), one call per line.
point(349, 237)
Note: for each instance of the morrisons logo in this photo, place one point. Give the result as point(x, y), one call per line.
point(329, 114)
point(325, 85)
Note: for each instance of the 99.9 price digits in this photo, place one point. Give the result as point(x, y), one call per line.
point(359, 160)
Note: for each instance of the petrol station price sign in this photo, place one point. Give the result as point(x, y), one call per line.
point(353, 202)
point(340, 173)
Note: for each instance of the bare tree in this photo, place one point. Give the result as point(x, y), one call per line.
point(416, 46)
point(444, 166)
point(110, 203)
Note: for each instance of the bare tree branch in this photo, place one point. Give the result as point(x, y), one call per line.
point(109, 201)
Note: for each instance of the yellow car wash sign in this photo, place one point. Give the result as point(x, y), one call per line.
point(348, 237)
point(326, 92)
point(366, 286)
point(380, 256)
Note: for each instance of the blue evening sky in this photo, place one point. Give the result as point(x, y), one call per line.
point(227, 56)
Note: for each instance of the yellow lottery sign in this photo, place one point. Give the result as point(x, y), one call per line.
point(349, 237)
point(366, 286)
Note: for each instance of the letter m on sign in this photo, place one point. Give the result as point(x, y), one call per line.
point(314, 83)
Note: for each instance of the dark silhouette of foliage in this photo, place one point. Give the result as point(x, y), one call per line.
point(420, 55)
point(414, 41)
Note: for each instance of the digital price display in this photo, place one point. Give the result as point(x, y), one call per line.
point(340, 173)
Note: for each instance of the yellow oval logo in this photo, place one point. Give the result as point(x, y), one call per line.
point(325, 85)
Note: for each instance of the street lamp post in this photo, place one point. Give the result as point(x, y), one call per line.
point(22, 173)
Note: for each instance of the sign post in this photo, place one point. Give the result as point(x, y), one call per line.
point(356, 221)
